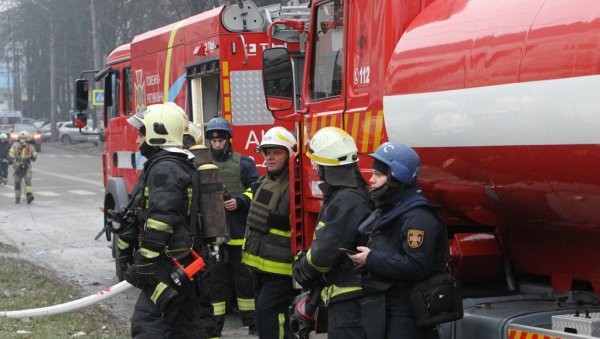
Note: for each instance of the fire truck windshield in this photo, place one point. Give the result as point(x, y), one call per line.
point(326, 77)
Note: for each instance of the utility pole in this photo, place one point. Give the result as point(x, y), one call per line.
point(96, 51)
point(54, 132)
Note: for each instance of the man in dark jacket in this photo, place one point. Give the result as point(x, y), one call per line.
point(238, 172)
point(165, 309)
point(347, 203)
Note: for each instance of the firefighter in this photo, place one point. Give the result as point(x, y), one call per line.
point(193, 137)
point(21, 154)
point(163, 308)
point(4, 147)
point(238, 172)
point(268, 236)
point(406, 242)
point(347, 203)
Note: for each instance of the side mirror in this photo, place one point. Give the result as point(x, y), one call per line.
point(80, 120)
point(81, 94)
point(278, 79)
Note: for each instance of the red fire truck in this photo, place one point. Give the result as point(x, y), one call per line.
point(500, 100)
point(209, 64)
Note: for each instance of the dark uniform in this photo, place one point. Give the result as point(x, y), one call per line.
point(238, 172)
point(267, 252)
point(404, 248)
point(4, 147)
point(346, 204)
point(164, 310)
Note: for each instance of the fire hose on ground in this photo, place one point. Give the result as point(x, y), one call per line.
point(104, 294)
point(180, 274)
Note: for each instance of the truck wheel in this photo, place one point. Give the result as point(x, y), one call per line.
point(66, 140)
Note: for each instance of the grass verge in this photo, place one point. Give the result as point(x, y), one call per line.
point(24, 285)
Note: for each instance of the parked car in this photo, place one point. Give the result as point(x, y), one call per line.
point(31, 129)
point(68, 133)
point(46, 130)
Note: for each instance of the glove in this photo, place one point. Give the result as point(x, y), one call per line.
point(133, 278)
point(165, 294)
point(306, 275)
point(125, 259)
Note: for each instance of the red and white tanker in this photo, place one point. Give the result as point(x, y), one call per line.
point(501, 99)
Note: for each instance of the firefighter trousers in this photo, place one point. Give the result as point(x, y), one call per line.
point(20, 176)
point(344, 320)
point(274, 295)
point(231, 275)
point(179, 321)
point(205, 308)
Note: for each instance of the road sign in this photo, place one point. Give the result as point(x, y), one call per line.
point(98, 97)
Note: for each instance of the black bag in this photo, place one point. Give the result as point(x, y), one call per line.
point(436, 300)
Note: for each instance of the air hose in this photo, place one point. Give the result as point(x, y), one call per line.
point(71, 305)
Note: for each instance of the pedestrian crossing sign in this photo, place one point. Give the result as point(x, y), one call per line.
point(98, 97)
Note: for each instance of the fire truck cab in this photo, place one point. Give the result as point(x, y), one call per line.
point(209, 64)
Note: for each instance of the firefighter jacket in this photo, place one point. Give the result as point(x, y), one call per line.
point(167, 196)
point(238, 172)
point(268, 233)
point(22, 153)
point(407, 243)
point(345, 206)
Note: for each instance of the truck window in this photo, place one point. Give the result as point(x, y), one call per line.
point(205, 91)
point(326, 77)
point(113, 111)
point(128, 88)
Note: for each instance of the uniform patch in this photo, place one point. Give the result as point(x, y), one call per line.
point(415, 238)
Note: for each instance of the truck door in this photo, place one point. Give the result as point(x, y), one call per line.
point(326, 84)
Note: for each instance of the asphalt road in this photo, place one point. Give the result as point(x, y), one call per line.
point(57, 230)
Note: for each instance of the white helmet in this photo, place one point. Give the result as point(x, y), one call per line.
point(3, 136)
point(278, 137)
point(165, 124)
point(332, 146)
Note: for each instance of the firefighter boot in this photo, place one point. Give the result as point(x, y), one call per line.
point(29, 198)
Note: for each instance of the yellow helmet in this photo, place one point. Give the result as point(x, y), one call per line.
point(332, 146)
point(195, 131)
point(165, 124)
point(24, 135)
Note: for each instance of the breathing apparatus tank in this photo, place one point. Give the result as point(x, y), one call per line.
point(211, 218)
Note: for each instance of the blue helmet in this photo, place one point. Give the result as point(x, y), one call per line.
point(402, 161)
point(215, 125)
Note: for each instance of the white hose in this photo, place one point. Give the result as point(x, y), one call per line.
point(71, 305)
